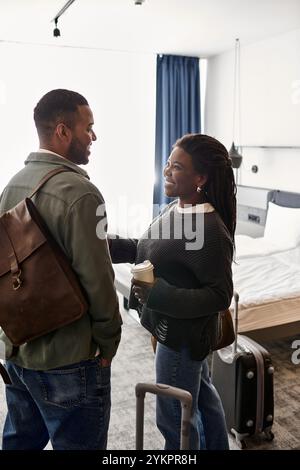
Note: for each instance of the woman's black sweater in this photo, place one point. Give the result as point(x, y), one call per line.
point(192, 285)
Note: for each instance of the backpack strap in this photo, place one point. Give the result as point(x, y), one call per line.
point(5, 375)
point(47, 177)
point(14, 265)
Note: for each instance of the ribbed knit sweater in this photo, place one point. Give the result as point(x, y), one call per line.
point(192, 285)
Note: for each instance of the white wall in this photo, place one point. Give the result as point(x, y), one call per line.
point(270, 108)
point(120, 88)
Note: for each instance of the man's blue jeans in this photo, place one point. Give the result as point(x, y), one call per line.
point(208, 427)
point(69, 405)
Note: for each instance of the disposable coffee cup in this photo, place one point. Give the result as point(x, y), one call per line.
point(143, 271)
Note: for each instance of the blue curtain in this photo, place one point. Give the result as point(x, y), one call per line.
point(177, 110)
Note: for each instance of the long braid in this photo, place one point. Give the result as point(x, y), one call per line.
point(221, 193)
point(211, 158)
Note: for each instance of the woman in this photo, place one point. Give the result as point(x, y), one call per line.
point(193, 282)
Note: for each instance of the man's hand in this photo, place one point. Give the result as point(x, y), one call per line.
point(141, 290)
point(104, 362)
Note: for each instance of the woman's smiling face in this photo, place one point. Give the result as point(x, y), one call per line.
point(181, 179)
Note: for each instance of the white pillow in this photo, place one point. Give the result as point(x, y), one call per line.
point(283, 226)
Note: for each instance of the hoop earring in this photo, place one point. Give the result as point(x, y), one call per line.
point(199, 189)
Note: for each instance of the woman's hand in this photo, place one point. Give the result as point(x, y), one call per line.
point(141, 290)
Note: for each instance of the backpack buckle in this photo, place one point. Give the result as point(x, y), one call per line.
point(17, 282)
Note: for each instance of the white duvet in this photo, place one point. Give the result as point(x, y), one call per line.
point(264, 272)
point(248, 247)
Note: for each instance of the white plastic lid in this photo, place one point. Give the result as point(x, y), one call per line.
point(144, 266)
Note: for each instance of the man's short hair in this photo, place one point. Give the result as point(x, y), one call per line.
point(57, 106)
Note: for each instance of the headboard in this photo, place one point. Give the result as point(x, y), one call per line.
point(284, 198)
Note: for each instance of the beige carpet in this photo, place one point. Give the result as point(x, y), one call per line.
point(135, 363)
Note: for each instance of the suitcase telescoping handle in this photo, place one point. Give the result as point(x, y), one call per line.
point(183, 396)
point(236, 321)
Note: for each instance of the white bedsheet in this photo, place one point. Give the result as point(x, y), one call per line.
point(274, 276)
point(248, 247)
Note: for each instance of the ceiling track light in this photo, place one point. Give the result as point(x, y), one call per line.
point(56, 31)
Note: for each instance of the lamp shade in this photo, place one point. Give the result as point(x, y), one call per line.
point(235, 156)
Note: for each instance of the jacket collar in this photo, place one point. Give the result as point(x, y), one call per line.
point(52, 159)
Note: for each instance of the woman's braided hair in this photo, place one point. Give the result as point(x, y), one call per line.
point(211, 158)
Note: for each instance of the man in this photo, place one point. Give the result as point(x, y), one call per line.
point(61, 381)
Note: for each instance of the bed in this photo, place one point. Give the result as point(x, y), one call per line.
point(267, 272)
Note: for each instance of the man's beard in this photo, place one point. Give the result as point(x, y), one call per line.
point(77, 152)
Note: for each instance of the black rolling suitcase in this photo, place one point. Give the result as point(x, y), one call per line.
point(183, 396)
point(243, 376)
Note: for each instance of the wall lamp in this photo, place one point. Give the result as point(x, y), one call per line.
point(56, 31)
point(234, 154)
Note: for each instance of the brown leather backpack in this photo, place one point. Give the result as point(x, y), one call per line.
point(39, 291)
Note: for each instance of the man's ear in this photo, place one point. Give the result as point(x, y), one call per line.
point(63, 132)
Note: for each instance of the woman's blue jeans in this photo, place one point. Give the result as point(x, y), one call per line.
point(208, 427)
point(70, 406)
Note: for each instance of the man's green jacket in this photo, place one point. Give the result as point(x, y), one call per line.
point(68, 203)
